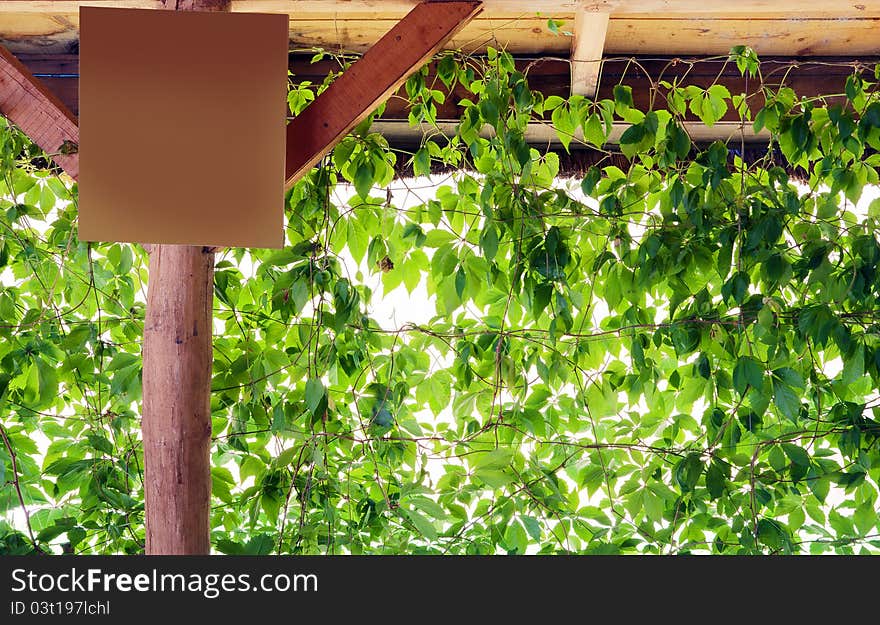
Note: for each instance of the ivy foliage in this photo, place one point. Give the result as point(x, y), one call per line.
point(678, 355)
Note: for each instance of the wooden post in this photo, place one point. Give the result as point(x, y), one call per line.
point(590, 29)
point(177, 389)
point(177, 400)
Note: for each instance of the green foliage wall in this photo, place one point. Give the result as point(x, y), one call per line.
point(680, 355)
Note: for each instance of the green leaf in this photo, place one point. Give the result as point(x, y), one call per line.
point(594, 131)
point(565, 125)
point(101, 443)
point(688, 472)
point(747, 373)
point(495, 459)
point(774, 535)
point(515, 537)
point(489, 242)
point(425, 527)
point(314, 393)
point(494, 478)
point(865, 518)
point(460, 281)
point(259, 545)
point(364, 177)
point(715, 481)
point(786, 399)
point(798, 455)
point(854, 365)
point(623, 99)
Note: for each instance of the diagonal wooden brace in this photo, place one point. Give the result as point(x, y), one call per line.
point(29, 104)
point(371, 80)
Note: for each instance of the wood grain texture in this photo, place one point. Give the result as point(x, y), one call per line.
point(634, 37)
point(375, 76)
point(587, 47)
point(499, 8)
point(644, 27)
point(29, 104)
point(176, 421)
point(509, 8)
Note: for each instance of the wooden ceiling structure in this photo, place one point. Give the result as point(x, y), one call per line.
point(823, 35)
point(632, 27)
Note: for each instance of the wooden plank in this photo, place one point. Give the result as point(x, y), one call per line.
point(357, 24)
point(587, 47)
point(374, 77)
point(626, 36)
point(396, 9)
point(508, 8)
point(34, 32)
point(38, 112)
point(520, 36)
point(767, 37)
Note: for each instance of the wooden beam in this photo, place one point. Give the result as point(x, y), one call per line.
point(524, 8)
point(587, 47)
point(807, 29)
point(178, 360)
point(371, 79)
point(197, 5)
point(785, 9)
point(27, 102)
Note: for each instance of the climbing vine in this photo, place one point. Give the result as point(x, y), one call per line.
point(675, 350)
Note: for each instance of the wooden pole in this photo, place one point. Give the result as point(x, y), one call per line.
point(176, 400)
point(177, 389)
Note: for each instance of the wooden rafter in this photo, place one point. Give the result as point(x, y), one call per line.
point(27, 102)
point(586, 51)
point(370, 80)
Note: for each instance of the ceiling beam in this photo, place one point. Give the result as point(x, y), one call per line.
point(586, 51)
point(27, 102)
point(759, 9)
point(371, 80)
point(525, 8)
point(197, 5)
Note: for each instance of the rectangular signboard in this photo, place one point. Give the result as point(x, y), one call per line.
point(182, 127)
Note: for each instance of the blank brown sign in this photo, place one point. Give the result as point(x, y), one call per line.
point(182, 127)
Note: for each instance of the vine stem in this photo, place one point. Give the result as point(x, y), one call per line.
point(17, 485)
